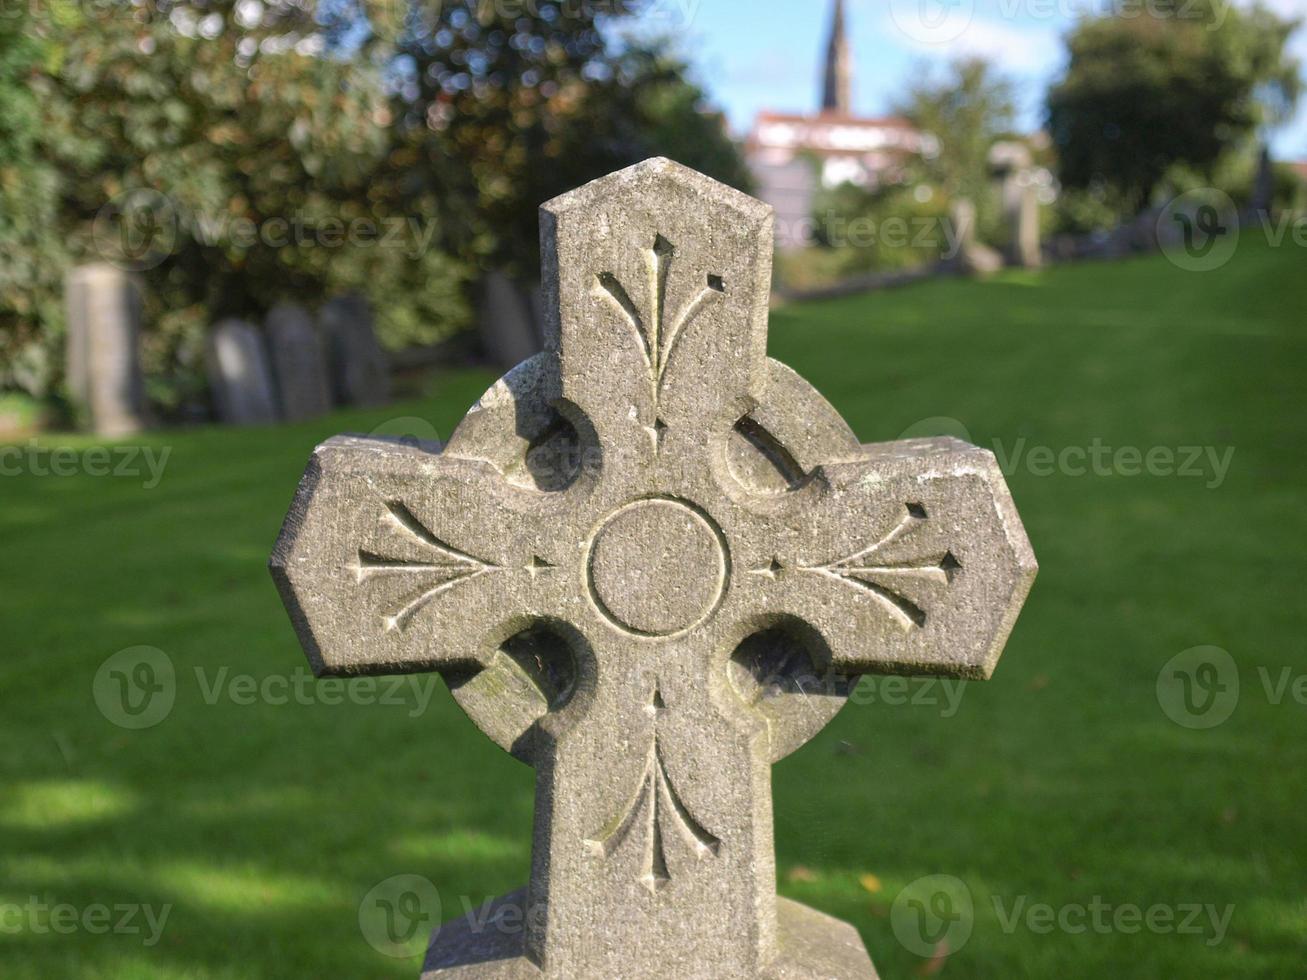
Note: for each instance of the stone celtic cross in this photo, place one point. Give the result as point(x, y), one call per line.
point(650, 562)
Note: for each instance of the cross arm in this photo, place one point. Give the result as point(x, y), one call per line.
point(395, 559)
point(909, 560)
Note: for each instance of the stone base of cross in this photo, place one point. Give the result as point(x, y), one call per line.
point(490, 943)
point(650, 563)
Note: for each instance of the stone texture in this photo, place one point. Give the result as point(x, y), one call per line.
point(650, 562)
point(298, 362)
point(360, 370)
point(239, 375)
point(104, 370)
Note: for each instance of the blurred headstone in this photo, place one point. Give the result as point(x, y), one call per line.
point(1264, 183)
point(299, 362)
point(973, 256)
point(239, 375)
point(104, 369)
point(360, 370)
point(510, 330)
point(655, 639)
point(1029, 252)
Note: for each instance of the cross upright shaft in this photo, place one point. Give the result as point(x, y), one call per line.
point(651, 562)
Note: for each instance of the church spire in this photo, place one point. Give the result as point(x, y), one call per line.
point(837, 90)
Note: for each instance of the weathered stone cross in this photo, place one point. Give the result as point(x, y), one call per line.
point(650, 562)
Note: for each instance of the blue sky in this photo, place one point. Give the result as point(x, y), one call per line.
point(755, 54)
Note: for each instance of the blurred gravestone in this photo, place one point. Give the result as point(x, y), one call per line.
point(508, 320)
point(239, 375)
point(298, 362)
point(360, 370)
point(104, 371)
point(1264, 183)
point(973, 256)
point(653, 633)
point(1013, 164)
point(1029, 253)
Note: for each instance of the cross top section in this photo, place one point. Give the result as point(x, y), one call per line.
point(650, 562)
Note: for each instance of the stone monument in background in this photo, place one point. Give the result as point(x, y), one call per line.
point(299, 363)
point(680, 591)
point(240, 377)
point(360, 370)
point(508, 320)
point(974, 257)
point(1025, 231)
point(1019, 178)
point(104, 370)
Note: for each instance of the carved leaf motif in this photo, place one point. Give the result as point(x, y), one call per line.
point(899, 585)
point(654, 329)
point(447, 567)
point(658, 808)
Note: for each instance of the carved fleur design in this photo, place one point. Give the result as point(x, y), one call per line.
point(447, 567)
point(659, 810)
point(655, 330)
point(901, 586)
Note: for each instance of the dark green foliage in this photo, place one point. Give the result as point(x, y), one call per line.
point(255, 169)
point(1145, 91)
point(967, 108)
point(499, 113)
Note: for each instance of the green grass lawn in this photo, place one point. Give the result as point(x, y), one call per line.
point(1061, 782)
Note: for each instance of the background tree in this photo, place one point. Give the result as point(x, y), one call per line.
point(253, 131)
point(966, 108)
point(502, 107)
point(1179, 85)
point(33, 256)
point(256, 156)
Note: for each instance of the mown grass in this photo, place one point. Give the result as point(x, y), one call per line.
point(1059, 782)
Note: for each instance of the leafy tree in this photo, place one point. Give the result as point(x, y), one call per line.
point(500, 109)
point(966, 108)
point(250, 138)
point(1179, 85)
point(32, 255)
point(254, 157)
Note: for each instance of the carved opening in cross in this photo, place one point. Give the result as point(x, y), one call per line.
point(651, 562)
